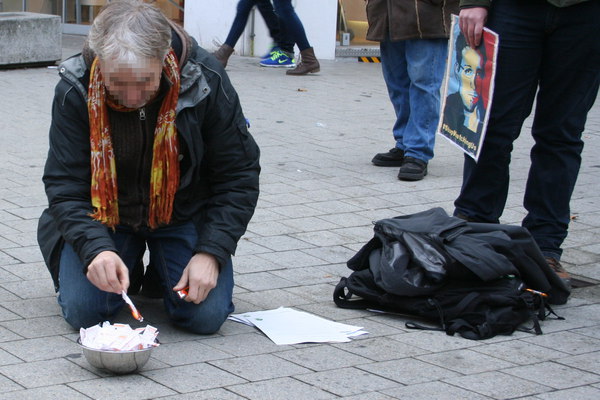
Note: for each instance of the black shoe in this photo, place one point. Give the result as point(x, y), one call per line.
point(412, 169)
point(392, 158)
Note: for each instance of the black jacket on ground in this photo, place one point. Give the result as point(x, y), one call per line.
point(219, 162)
point(461, 250)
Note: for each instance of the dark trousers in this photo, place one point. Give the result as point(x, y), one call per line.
point(285, 11)
point(556, 52)
point(276, 29)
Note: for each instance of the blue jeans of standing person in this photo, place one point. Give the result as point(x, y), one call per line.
point(84, 305)
point(276, 28)
point(557, 50)
point(294, 28)
point(413, 71)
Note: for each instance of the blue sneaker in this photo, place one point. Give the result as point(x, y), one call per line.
point(272, 50)
point(278, 59)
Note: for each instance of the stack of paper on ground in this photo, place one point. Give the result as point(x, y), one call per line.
point(288, 326)
point(118, 337)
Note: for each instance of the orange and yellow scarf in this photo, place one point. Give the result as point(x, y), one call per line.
point(164, 177)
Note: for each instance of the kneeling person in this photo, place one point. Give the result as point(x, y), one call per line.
point(148, 147)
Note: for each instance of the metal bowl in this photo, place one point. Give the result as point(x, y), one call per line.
point(118, 362)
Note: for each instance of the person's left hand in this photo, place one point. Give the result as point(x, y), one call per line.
point(200, 276)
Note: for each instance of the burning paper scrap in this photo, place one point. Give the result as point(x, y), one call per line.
point(118, 337)
point(136, 314)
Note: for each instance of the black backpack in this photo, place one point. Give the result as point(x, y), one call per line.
point(453, 274)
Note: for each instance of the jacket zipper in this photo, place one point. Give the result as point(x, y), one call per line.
point(142, 114)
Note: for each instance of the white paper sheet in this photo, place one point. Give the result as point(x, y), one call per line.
point(288, 326)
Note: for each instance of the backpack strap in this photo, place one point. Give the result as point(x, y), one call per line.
point(342, 297)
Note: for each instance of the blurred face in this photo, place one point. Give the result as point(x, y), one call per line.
point(469, 71)
point(132, 85)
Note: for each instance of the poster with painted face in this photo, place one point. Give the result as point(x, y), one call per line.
point(468, 88)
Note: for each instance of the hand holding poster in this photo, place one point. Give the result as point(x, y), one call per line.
point(467, 94)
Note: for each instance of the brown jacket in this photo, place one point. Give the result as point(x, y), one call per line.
point(409, 19)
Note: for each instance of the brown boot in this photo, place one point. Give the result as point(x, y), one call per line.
point(308, 63)
point(223, 53)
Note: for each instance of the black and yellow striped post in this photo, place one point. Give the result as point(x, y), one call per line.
point(369, 59)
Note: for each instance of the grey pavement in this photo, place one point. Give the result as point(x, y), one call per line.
point(319, 196)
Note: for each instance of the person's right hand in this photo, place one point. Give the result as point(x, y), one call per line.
point(108, 272)
point(471, 22)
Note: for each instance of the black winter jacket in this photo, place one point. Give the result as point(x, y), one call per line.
point(219, 164)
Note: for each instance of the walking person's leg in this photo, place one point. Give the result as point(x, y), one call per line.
point(237, 27)
point(308, 63)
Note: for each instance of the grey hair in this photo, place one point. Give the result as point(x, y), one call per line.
point(130, 30)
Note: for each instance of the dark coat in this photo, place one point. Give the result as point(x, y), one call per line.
point(409, 19)
point(444, 248)
point(218, 187)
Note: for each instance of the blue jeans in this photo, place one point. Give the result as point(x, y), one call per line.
point(276, 29)
point(413, 71)
point(557, 50)
point(294, 28)
point(83, 305)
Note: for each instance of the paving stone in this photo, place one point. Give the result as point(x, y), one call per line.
point(589, 362)
point(213, 394)
point(309, 224)
point(498, 385)
point(554, 375)
point(253, 263)
point(434, 341)
point(262, 281)
point(7, 385)
point(328, 310)
point(38, 327)
point(244, 345)
point(408, 371)
point(323, 357)
point(48, 392)
point(271, 299)
point(292, 258)
point(369, 396)
point(432, 390)
point(465, 361)
point(26, 254)
point(125, 387)
point(40, 349)
point(333, 254)
point(347, 381)
point(187, 352)
point(380, 348)
point(280, 243)
point(259, 367)
point(43, 307)
point(281, 388)
point(32, 288)
point(45, 373)
point(567, 342)
point(306, 276)
point(579, 393)
point(193, 377)
point(519, 352)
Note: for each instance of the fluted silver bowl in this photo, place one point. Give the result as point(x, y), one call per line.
point(118, 362)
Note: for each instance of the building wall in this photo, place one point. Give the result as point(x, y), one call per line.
point(209, 23)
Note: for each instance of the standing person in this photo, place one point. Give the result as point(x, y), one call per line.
point(148, 146)
point(280, 55)
point(552, 48)
point(295, 29)
point(413, 38)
